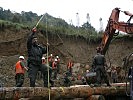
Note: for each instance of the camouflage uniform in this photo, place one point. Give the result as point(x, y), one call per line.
point(99, 66)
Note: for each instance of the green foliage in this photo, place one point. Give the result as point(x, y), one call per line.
point(49, 23)
point(9, 25)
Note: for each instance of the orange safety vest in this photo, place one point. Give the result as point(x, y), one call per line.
point(18, 68)
point(58, 60)
point(69, 65)
point(50, 59)
point(54, 65)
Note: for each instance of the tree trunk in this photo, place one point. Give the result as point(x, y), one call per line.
point(79, 91)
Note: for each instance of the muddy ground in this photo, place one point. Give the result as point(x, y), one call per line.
point(81, 50)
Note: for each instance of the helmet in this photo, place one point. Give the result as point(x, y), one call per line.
point(21, 57)
point(43, 57)
point(55, 60)
point(87, 71)
point(57, 56)
point(51, 54)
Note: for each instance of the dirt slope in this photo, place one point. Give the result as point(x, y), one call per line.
point(13, 44)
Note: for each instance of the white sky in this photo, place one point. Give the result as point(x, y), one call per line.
point(67, 9)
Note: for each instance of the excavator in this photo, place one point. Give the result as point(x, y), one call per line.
point(110, 31)
point(112, 26)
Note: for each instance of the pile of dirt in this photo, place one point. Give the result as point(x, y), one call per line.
point(81, 50)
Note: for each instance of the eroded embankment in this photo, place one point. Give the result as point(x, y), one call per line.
point(81, 50)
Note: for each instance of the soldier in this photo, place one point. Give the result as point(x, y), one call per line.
point(99, 64)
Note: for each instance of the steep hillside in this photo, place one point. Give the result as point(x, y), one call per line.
point(81, 50)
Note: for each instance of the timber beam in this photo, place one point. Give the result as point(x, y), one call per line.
point(79, 91)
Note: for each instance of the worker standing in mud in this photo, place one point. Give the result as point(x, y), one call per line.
point(70, 64)
point(58, 64)
point(54, 67)
point(20, 70)
point(114, 75)
point(99, 64)
point(35, 53)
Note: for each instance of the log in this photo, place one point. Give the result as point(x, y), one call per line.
point(96, 97)
point(79, 91)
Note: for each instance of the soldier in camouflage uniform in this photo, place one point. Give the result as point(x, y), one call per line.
point(99, 64)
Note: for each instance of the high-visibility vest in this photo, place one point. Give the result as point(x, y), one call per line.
point(54, 65)
point(19, 68)
point(50, 59)
point(69, 65)
point(58, 60)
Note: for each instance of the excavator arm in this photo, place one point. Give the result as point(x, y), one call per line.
point(112, 26)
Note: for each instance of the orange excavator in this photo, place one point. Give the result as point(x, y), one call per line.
point(112, 26)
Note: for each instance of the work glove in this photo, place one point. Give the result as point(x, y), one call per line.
point(34, 30)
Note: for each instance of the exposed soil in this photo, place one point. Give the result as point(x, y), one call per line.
point(81, 50)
